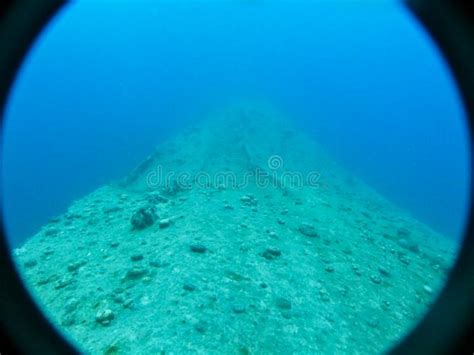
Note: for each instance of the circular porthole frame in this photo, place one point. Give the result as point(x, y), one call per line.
point(445, 329)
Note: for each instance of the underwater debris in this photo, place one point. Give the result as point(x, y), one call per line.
point(104, 316)
point(308, 230)
point(143, 217)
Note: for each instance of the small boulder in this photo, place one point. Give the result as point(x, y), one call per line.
point(135, 273)
point(189, 287)
point(198, 248)
point(30, 263)
point(104, 317)
point(249, 200)
point(283, 303)
point(143, 217)
point(136, 257)
point(164, 223)
point(271, 253)
point(308, 230)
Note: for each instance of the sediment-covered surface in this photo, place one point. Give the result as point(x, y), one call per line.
point(233, 266)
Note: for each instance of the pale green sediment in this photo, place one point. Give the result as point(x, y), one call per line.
point(332, 268)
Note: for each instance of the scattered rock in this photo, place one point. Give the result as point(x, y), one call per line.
point(283, 303)
point(65, 281)
point(375, 279)
point(164, 223)
point(111, 209)
point(238, 308)
point(329, 268)
point(128, 303)
point(158, 263)
point(249, 200)
point(273, 235)
point(281, 222)
point(383, 271)
point(71, 305)
point(356, 270)
point(30, 263)
point(104, 317)
point(403, 258)
point(189, 287)
point(428, 289)
point(324, 295)
point(51, 232)
point(271, 253)
point(298, 201)
point(409, 245)
point(403, 232)
point(235, 276)
point(72, 267)
point(200, 326)
point(136, 257)
point(143, 217)
point(308, 230)
point(135, 273)
point(198, 248)
point(112, 349)
point(68, 320)
point(372, 321)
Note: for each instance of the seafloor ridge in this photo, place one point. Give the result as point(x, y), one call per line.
point(233, 266)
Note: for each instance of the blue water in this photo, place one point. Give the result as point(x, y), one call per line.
point(107, 82)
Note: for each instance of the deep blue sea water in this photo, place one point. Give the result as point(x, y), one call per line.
point(109, 81)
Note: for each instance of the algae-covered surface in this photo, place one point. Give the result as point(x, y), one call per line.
point(257, 243)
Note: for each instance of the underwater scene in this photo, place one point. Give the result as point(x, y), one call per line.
point(241, 177)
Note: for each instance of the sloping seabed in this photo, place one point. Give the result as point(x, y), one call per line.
point(205, 266)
